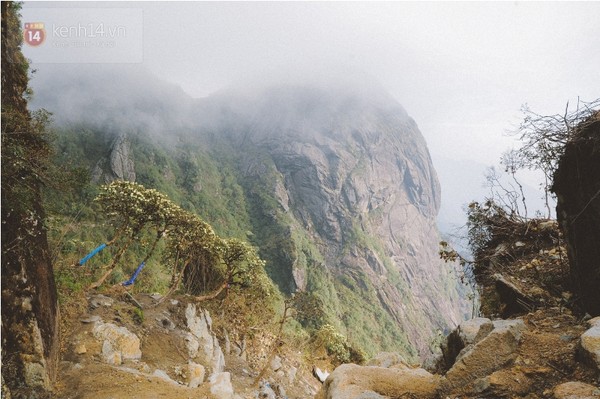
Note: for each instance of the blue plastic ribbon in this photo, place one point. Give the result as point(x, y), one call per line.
point(135, 275)
point(91, 254)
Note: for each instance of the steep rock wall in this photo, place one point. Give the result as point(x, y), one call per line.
point(353, 174)
point(577, 187)
point(29, 302)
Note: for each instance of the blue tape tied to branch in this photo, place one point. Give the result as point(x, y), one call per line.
point(91, 254)
point(135, 275)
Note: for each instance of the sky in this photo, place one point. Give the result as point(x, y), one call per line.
point(462, 70)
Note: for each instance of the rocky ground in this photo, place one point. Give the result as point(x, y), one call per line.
point(120, 346)
point(534, 343)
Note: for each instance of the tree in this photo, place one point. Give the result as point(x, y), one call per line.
point(133, 208)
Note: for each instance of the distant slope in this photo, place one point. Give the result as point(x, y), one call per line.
point(333, 183)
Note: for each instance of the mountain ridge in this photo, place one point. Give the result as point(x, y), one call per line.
point(336, 187)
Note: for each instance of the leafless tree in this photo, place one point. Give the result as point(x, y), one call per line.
point(544, 138)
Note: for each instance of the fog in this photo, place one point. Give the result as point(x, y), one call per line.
point(461, 70)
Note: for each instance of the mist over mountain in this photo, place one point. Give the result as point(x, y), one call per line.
point(333, 183)
point(111, 98)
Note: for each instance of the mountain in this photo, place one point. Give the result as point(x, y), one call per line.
point(332, 182)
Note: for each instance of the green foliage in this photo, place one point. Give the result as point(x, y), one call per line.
point(310, 310)
point(337, 346)
point(137, 315)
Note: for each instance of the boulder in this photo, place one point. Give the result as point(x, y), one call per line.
point(99, 300)
point(220, 386)
point(494, 351)
point(576, 390)
point(350, 381)
point(118, 343)
point(466, 334)
point(589, 344)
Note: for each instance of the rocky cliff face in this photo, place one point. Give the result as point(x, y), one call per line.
point(117, 165)
point(29, 300)
point(352, 172)
point(577, 188)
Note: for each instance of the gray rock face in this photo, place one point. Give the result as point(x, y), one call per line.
point(118, 165)
point(353, 172)
point(201, 341)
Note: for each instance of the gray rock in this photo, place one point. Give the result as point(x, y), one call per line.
point(516, 326)
point(494, 351)
point(36, 375)
point(90, 319)
point(227, 343)
point(339, 160)
point(589, 345)
point(481, 385)
point(118, 166)
point(118, 343)
point(195, 374)
point(472, 331)
point(156, 296)
point(220, 386)
point(110, 355)
point(192, 344)
point(578, 211)
point(280, 391)
point(208, 348)
point(98, 300)
point(466, 334)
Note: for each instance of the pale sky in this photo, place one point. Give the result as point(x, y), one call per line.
point(462, 70)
